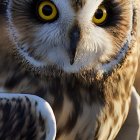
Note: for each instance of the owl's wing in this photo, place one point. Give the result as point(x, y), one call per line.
point(26, 117)
point(131, 127)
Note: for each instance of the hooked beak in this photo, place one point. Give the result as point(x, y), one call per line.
point(74, 39)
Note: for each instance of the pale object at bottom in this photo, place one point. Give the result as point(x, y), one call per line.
point(26, 117)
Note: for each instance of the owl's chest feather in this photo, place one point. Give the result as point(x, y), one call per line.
point(81, 111)
point(97, 119)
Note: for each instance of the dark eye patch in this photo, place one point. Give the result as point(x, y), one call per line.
point(33, 13)
point(114, 11)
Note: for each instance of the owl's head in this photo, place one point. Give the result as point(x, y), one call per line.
point(70, 35)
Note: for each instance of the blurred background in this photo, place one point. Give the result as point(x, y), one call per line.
point(137, 81)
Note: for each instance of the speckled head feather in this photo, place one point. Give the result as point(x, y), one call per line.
point(35, 48)
point(78, 4)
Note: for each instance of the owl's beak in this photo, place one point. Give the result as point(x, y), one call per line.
point(74, 39)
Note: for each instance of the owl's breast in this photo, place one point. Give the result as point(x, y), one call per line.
point(83, 110)
point(87, 116)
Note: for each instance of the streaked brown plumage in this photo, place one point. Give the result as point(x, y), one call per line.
point(91, 96)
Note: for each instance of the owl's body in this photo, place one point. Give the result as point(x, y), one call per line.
point(85, 71)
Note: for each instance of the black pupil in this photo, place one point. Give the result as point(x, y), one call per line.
point(47, 10)
point(99, 14)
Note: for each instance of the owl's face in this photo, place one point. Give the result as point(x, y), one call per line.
point(70, 35)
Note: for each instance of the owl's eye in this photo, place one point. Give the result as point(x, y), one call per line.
point(47, 11)
point(100, 15)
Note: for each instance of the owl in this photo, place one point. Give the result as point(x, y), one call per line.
point(81, 57)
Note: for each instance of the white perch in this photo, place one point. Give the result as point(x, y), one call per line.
point(39, 105)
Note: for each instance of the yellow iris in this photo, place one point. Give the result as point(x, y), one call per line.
point(47, 11)
point(100, 15)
